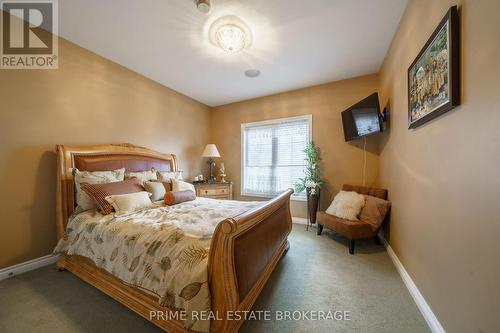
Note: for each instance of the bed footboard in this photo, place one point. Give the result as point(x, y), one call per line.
point(244, 252)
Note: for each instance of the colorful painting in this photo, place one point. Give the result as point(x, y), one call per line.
point(433, 76)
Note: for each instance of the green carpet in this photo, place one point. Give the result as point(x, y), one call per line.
point(317, 274)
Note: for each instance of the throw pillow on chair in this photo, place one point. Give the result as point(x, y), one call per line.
point(347, 205)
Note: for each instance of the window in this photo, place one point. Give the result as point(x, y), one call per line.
point(273, 155)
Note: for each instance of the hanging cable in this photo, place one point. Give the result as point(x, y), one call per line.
point(364, 161)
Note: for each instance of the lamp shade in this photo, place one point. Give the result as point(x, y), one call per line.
point(210, 151)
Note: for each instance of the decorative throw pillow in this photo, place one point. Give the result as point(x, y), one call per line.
point(374, 211)
point(347, 205)
point(167, 184)
point(124, 204)
point(99, 192)
point(143, 176)
point(179, 185)
point(156, 189)
point(175, 197)
point(83, 201)
point(166, 176)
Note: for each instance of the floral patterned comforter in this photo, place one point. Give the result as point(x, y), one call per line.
point(163, 250)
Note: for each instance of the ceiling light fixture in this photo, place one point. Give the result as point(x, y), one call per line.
point(230, 38)
point(231, 34)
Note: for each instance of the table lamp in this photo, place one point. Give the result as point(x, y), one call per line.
point(211, 152)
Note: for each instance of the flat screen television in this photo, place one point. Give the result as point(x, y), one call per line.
point(362, 119)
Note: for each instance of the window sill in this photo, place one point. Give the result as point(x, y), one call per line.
point(293, 198)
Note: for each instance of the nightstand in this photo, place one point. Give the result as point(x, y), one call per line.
point(216, 190)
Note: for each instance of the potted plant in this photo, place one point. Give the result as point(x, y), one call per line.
point(311, 183)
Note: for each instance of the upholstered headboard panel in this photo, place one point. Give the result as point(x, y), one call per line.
point(133, 163)
point(100, 158)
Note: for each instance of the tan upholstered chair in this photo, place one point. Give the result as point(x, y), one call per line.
point(352, 229)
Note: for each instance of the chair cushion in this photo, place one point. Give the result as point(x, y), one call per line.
point(374, 192)
point(352, 229)
point(374, 211)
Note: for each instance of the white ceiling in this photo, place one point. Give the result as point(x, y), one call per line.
point(296, 43)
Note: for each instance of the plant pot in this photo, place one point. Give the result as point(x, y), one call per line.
point(312, 204)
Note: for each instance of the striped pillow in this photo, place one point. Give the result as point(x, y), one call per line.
point(99, 192)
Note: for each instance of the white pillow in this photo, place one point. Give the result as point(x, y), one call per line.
point(143, 176)
point(166, 176)
point(179, 185)
point(83, 201)
point(347, 205)
point(128, 203)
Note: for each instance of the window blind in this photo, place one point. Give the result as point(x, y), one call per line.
point(273, 155)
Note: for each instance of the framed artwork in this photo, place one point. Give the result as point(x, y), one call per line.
point(434, 76)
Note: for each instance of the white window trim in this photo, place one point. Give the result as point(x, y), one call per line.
point(307, 117)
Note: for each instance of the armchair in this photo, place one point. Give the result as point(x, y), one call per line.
point(352, 229)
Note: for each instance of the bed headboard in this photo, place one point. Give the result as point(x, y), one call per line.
point(100, 158)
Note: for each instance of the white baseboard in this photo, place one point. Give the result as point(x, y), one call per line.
point(299, 220)
point(422, 305)
point(26, 266)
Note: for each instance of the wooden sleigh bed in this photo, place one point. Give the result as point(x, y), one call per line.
point(244, 251)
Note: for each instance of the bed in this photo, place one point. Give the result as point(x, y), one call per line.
point(243, 251)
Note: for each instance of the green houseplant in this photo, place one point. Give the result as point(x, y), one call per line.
point(312, 182)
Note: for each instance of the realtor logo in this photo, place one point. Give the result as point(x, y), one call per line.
point(29, 35)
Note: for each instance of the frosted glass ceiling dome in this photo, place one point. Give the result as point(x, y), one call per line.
point(230, 34)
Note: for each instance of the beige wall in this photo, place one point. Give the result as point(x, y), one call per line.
point(342, 162)
point(443, 178)
point(87, 100)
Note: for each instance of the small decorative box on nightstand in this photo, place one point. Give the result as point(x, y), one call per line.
point(215, 190)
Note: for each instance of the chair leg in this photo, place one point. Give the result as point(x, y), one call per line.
point(320, 229)
point(351, 246)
